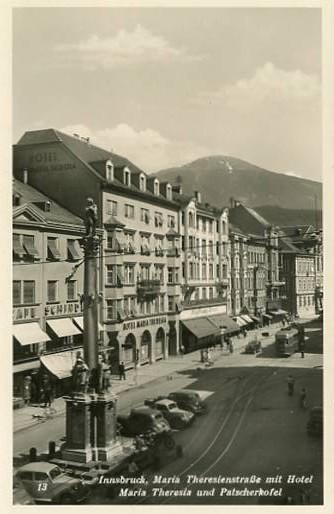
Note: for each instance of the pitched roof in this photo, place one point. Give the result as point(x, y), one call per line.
point(258, 217)
point(57, 213)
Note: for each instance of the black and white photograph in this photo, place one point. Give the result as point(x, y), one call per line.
point(167, 255)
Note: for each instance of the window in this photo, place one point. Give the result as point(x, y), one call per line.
point(109, 171)
point(129, 274)
point(171, 303)
point(53, 249)
point(203, 271)
point(176, 275)
point(142, 183)
point(170, 276)
point(191, 219)
point(145, 245)
point(162, 303)
point(52, 293)
point(18, 249)
point(210, 292)
point(203, 247)
point(158, 219)
point(144, 216)
point(111, 274)
point(17, 292)
point(29, 246)
point(127, 177)
point(159, 273)
point(169, 192)
point(72, 290)
point(224, 227)
point(203, 293)
point(210, 223)
point(171, 221)
point(129, 211)
point(111, 307)
point(112, 207)
point(73, 252)
point(210, 271)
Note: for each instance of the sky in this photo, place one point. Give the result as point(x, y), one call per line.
point(165, 86)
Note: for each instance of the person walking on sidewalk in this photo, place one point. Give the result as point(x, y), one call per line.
point(27, 390)
point(303, 398)
point(122, 371)
point(231, 346)
point(291, 385)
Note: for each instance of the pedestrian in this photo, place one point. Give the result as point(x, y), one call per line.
point(27, 390)
point(182, 350)
point(122, 371)
point(231, 347)
point(302, 349)
point(291, 385)
point(303, 398)
point(245, 333)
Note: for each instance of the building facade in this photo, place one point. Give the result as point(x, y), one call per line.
point(47, 311)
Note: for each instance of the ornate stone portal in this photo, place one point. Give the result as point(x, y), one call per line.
point(92, 407)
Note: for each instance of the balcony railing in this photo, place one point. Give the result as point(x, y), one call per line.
point(206, 301)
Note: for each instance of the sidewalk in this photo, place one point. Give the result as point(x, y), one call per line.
point(29, 416)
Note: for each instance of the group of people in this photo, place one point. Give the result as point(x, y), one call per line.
point(43, 393)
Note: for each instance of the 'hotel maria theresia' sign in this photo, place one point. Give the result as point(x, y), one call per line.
point(146, 322)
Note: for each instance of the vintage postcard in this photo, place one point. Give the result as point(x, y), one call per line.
point(167, 268)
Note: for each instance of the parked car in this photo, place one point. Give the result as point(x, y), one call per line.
point(315, 422)
point(46, 482)
point(188, 400)
point(142, 420)
point(253, 346)
point(20, 495)
point(176, 417)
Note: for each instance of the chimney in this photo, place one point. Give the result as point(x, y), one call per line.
point(25, 176)
point(198, 196)
point(177, 188)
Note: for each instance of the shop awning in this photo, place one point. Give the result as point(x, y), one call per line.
point(223, 320)
point(60, 364)
point(26, 366)
point(254, 318)
point(247, 318)
point(200, 327)
point(63, 327)
point(78, 320)
point(278, 312)
point(29, 333)
point(240, 321)
point(267, 316)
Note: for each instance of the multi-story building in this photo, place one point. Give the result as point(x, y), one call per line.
point(47, 312)
point(257, 276)
point(205, 277)
point(140, 264)
point(260, 230)
point(301, 269)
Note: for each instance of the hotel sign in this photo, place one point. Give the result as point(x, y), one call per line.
point(24, 313)
point(206, 311)
point(61, 309)
point(147, 322)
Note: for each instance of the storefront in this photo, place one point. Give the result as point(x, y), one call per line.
point(140, 341)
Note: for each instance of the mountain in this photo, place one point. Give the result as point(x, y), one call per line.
point(220, 177)
point(287, 217)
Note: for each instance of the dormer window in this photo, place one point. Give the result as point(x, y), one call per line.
point(169, 192)
point(16, 199)
point(156, 187)
point(127, 176)
point(109, 171)
point(142, 182)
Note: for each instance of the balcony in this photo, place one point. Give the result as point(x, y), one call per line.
point(148, 287)
point(205, 302)
point(224, 282)
point(173, 252)
point(275, 283)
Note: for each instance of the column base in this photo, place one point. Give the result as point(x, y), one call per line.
point(108, 453)
point(77, 455)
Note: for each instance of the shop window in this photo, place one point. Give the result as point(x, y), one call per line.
point(73, 251)
point(52, 293)
point(72, 290)
point(53, 249)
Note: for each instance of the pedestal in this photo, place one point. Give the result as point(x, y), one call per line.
point(103, 423)
point(78, 429)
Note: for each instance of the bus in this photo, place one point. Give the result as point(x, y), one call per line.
point(286, 341)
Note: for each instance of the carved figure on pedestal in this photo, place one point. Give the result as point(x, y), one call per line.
point(91, 218)
point(103, 376)
point(80, 376)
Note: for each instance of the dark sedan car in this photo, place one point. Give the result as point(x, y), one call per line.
point(189, 400)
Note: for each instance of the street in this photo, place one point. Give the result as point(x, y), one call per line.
point(252, 428)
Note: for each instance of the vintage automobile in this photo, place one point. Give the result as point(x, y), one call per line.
point(47, 483)
point(253, 346)
point(142, 420)
point(314, 425)
point(188, 400)
point(176, 417)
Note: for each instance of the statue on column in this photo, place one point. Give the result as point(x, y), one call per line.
point(80, 376)
point(103, 376)
point(91, 218)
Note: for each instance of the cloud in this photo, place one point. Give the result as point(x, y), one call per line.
point(146, 148)
point(269, 84)
point(126, 48)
